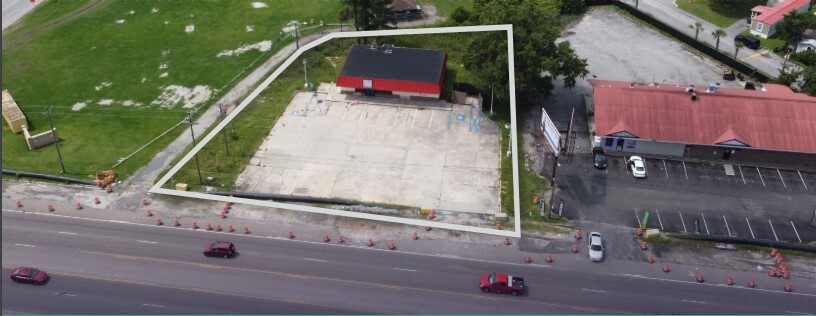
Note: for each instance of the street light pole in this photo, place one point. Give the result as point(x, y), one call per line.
point(54, 135)
point(305, 80)
point(189, 121)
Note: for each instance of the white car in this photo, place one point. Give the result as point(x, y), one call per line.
point(596, 248)
point(638, 166)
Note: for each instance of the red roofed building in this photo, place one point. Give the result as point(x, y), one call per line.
point(764, 19)
point(773, 126)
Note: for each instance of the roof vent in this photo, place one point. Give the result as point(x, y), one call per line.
point(632, 85)
point(388, 51)
point(693, 96)
point(712, 88)
point(690, 88)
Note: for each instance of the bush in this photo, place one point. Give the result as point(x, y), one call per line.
point(807, 57)
point(573, 6)
point(460, 15)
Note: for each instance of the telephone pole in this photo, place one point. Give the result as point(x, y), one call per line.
point(56, 141)
point(297, 35)
point(189, 121)
point(224, 112)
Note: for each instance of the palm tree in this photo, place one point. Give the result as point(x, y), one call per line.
point(697, 27)
point(737, 46)
point(717, 34)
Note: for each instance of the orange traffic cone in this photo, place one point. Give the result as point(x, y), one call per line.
point(96, 200)
point(498, 226)
point(144, 201)
point(752, 283)
point(506, 241)
point(432, 214)
point(772, 272)
point(730, 280)
point(19, 204)
point(391, 245)
point(218, 227)
point(326, 237)
point(108, 188)
point(149, 213)
point(290, 235)
point(209, 227)
point(370, 242)
point(643, 246)
point(549, 258)
point(223, 214)
point(176, 222)
point(788, 287)
point(578, 234)
point(528, 259)
point(700, 278)
point(414, 235)
point(195, 225)
point(158, 221)
point(428, 228)
point(666, 267)
point(79, 206)
point(246, 229)
point(50, 207)
point(773, 252)
point(340, 238)
point(574, 248)
point(229, 227)
point(650, 258)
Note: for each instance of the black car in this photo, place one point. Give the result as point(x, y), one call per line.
point(599, 157)
point(748, 40)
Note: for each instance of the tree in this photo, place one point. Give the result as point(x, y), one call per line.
point(717, 34)
point(370, 14)
point(737, 46)
point(697, 27)
point(794, 24)
point(535, 53)
point(788, 75)
point(808, 84)
point(460, 15)
point(572, 6)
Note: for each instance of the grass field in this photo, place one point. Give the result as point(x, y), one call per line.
point(720, 13)
point(69, 52)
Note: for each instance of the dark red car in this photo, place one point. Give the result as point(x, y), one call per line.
point(219, 249)
point(29, 275)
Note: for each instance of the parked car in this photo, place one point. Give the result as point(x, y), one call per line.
point(29, 275)
point(596, 248)
point(501, 283)
point(219, 249)
point(638, 166)
point(749, 85)
point(729, 75)
point(599, 157)
point(748, 40)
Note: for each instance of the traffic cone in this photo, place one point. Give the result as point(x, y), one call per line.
point(498, 226)
point(218, 227)
point(96, 200)
point(229, 228)
point(108, 188)
point(666, 267)
point(772, 272)
point(432, 214)
point(209, 227)
point(752, 283)
point(773, 252)
point(50, 207)
point(528, 259)
point(414, 235)
point(700, 278)
point(643, 246)
point(176, 222)
point(290, 235)
point(391, 245)
point(639, 232)
point(246, 229)
point(225, 209)
point(428, 228)
point(223, 214)
point(506, 241)
point(158, 221)
point(578, 234)
point(788, 287)
point(574, 248)
point(149, 213)
point(549, 258)
point(340, 238)
point(370, 242)
point(730, 280)
point(326, 237)
point(650, 258)
point(195, 225)
point(79, 206)
point(19, 204)
point(144, 201)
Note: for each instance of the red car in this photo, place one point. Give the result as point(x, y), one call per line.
point(29, 275)
point(501, 283)
point(219, 249)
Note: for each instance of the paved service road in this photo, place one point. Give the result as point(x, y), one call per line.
point(13, 10)
point(340, 279)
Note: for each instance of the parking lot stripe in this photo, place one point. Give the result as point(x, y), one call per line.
point(637, 217)
point(741, 175)
point(378, 118)
point(415, 115)
point(749, 228)
point(625, 167)
point(431, 120)
point(705, 224)
point(705, 170)
point(344, 114)
point(797, 233)
point(682, 221)
point(658, 219)
point(783, 179)
point(803, 179)
point(760, 176)
point(726, 226)
point(399, 109)
point(773, 230)
point(665, 169)
point(684, 170)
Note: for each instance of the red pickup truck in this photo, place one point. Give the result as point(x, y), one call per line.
point(501, 283)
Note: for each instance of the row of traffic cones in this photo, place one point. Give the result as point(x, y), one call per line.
point(51, 206)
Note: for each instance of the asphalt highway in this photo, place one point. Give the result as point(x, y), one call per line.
point(133, 265)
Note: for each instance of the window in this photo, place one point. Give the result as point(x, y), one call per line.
point(609, 142)
point(759, 26)
point(630, 143)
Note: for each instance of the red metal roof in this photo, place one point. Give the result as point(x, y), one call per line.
point(775, 119)
point(777, 12)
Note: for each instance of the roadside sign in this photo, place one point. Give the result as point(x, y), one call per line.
point(550, 132)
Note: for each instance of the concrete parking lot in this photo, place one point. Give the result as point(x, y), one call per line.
point(377, 149)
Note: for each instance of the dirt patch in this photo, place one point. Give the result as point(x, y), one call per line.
point(258, 5)
point(102, 85)
point(120, 21)
point(430, 17)
point(250, 28)
point(261, 46)
point(105, 102)
point(78, 106)
point(188, 97)
point(189, 28)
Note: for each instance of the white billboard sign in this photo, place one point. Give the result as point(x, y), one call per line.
point(550, 132)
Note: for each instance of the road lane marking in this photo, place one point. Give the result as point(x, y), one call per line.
point(803, 179)
point(682, 221)
point(780, 177)
point(64, 294)
point(319, 260)
point(399, 109)
point(684, 170)
point(797, 233)
point(24, 245)
point(379, 116)
point(658, 219)
point(697, 302)
point(152, 305)
point(773, 230)
point(712, 284)
point(749, 228)
point(401, 269)
point(705, 224)
point(147, 241)
point(638, 218)
point(760, 176)
point(797, 313)
point(431, 120)
point(665, 169)
point(741, 175)
point(763, 52)
point(726, 226)
point(67, 233)
point(590, 290)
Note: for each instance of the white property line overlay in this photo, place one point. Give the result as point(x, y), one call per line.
point(157, 188)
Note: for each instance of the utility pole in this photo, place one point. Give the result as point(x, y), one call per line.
point(189, 121)
point(54, 135)
point(305, 80)
point(297, 34)
point(491, 100)
point(223, 113)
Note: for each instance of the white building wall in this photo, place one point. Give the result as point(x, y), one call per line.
point(638, 146)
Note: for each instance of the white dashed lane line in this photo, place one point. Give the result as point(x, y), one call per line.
point(67, 233)
point(318, 260)
point(24, 245)
point(152, 305)
point(147, 241)
point(590, 290)
point(696, 302)
point(401, 269)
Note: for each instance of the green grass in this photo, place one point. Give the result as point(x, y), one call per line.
point(720, 12)
point(445, 7)
point(61, 66)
